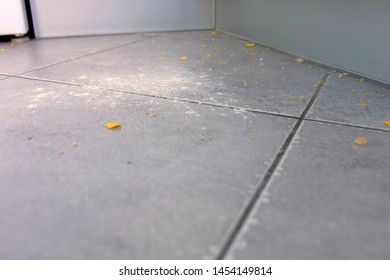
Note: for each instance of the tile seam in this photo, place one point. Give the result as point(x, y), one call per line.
point(249, 207)
point(192, 101)
point(348, 125)
point(80, 56)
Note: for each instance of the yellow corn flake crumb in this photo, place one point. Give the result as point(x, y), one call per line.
point(363, 105)
point(113, 125)
point(250, 45)
point(162, 58)
point(184, 58)
point(2, 49)
point(214, 33)
point(300, 60)
point(253, 138)
point(386, 123)
point(361, 141)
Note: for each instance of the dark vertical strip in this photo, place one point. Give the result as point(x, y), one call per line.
point(30, 33)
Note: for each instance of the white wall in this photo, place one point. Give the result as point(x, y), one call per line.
point(54, 18)
point(353, 35)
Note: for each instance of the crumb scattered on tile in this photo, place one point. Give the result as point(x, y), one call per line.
point(184, 58)
point(113, 125)
point(300, 60)
point(342, 75)
point(386, 123)
point(361, 141)
point(250, 45)
point(291, 99)
point(151, 114)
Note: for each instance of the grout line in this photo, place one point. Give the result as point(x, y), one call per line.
point(192, 101)
point(348, 125)
point(82, 56)
point(248, 209)
point(198, 102)
point(46, 80)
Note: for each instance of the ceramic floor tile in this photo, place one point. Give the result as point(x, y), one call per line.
point(221, 71)
point(168, 184)
point(353, 101)
point(328, 200)
point(205, 35)
point(17, 58)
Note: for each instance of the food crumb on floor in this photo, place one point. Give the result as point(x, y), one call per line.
point(250, 45)
point(184, 58)
point(151, 114)
point(386, 123)
point(300, 60)
point(113, 125)
point(361, 141)
point(342, 75)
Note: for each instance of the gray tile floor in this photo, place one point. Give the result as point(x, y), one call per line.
point(234, 153)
